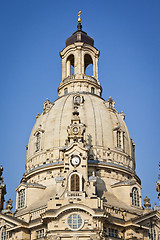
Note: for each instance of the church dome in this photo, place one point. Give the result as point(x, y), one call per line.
point(80, 180)
point(103, 125)
point(82, 126)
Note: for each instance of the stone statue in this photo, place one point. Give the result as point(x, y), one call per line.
point(2, 189)
point(9, 204)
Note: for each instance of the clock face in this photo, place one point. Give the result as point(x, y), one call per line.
point(75, 161)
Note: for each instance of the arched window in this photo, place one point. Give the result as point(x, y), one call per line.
point(135, 197)
point(21, 198)
point(65, 91)
point(88, 65)
point(92, 90)
point(77, 99)
point(70, 65)
point(38, 141)
point(119, 140)
point(75, 182)
point(5, 234)
point(152, 233)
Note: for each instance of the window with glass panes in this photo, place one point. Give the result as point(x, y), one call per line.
point(135, 197)
point(119, 144)
point(38, 141)
point(75, 182)
point(75, 221)
point(77, 99)
point(65, 91)
point(4, 234)
point(21, 198)
point(113, 232)
point(152, 233)
point(40, 233)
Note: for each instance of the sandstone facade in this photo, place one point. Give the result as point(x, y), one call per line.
point(80, 181)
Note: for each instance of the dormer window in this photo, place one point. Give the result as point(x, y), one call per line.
point(21, 198)
point(38, 141)
point(119, 140)
point(135, 197)
point(38, 138)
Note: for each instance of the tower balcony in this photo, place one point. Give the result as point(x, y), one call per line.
point(79, 83)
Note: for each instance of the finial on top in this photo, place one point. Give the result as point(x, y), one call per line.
point(79, 17)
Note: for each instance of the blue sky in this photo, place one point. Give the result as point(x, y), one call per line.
point(126, 32)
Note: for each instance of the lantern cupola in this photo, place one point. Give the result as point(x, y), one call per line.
point(79, 64)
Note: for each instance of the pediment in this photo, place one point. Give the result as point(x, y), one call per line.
point(11, 221)
point(54, 213)
point(147, 218)
point(29, 185)
point(75, 147)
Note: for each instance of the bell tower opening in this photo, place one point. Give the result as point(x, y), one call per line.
point(70, 65)
point(88, 65)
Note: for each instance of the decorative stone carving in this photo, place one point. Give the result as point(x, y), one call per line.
point(23, 180)
point(38, 135)
point(147, 204)
point(78, 99)
point(1, 171)
point(123, 115)
point(37, 116)
point(76, 129)
point(9, 204)
point(47, 105)
point(110, 103)
point(2, 189)
point(158, 185)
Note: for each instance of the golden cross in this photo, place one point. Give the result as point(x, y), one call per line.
point(79, 16)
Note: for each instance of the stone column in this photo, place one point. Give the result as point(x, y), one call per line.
point(68, 68)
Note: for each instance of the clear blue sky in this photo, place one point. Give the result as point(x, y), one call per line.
point(127, 33)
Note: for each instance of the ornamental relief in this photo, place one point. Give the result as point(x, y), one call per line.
point(47, 105)
point(76, 129)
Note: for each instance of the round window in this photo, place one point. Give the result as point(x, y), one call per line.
point(75, 130)
point(74, 221)
point(77, 99)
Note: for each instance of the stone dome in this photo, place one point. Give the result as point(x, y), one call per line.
point(80, 180)
point(80, 122)
point(102, 123)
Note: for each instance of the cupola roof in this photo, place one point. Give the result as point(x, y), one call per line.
point(79, 36)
